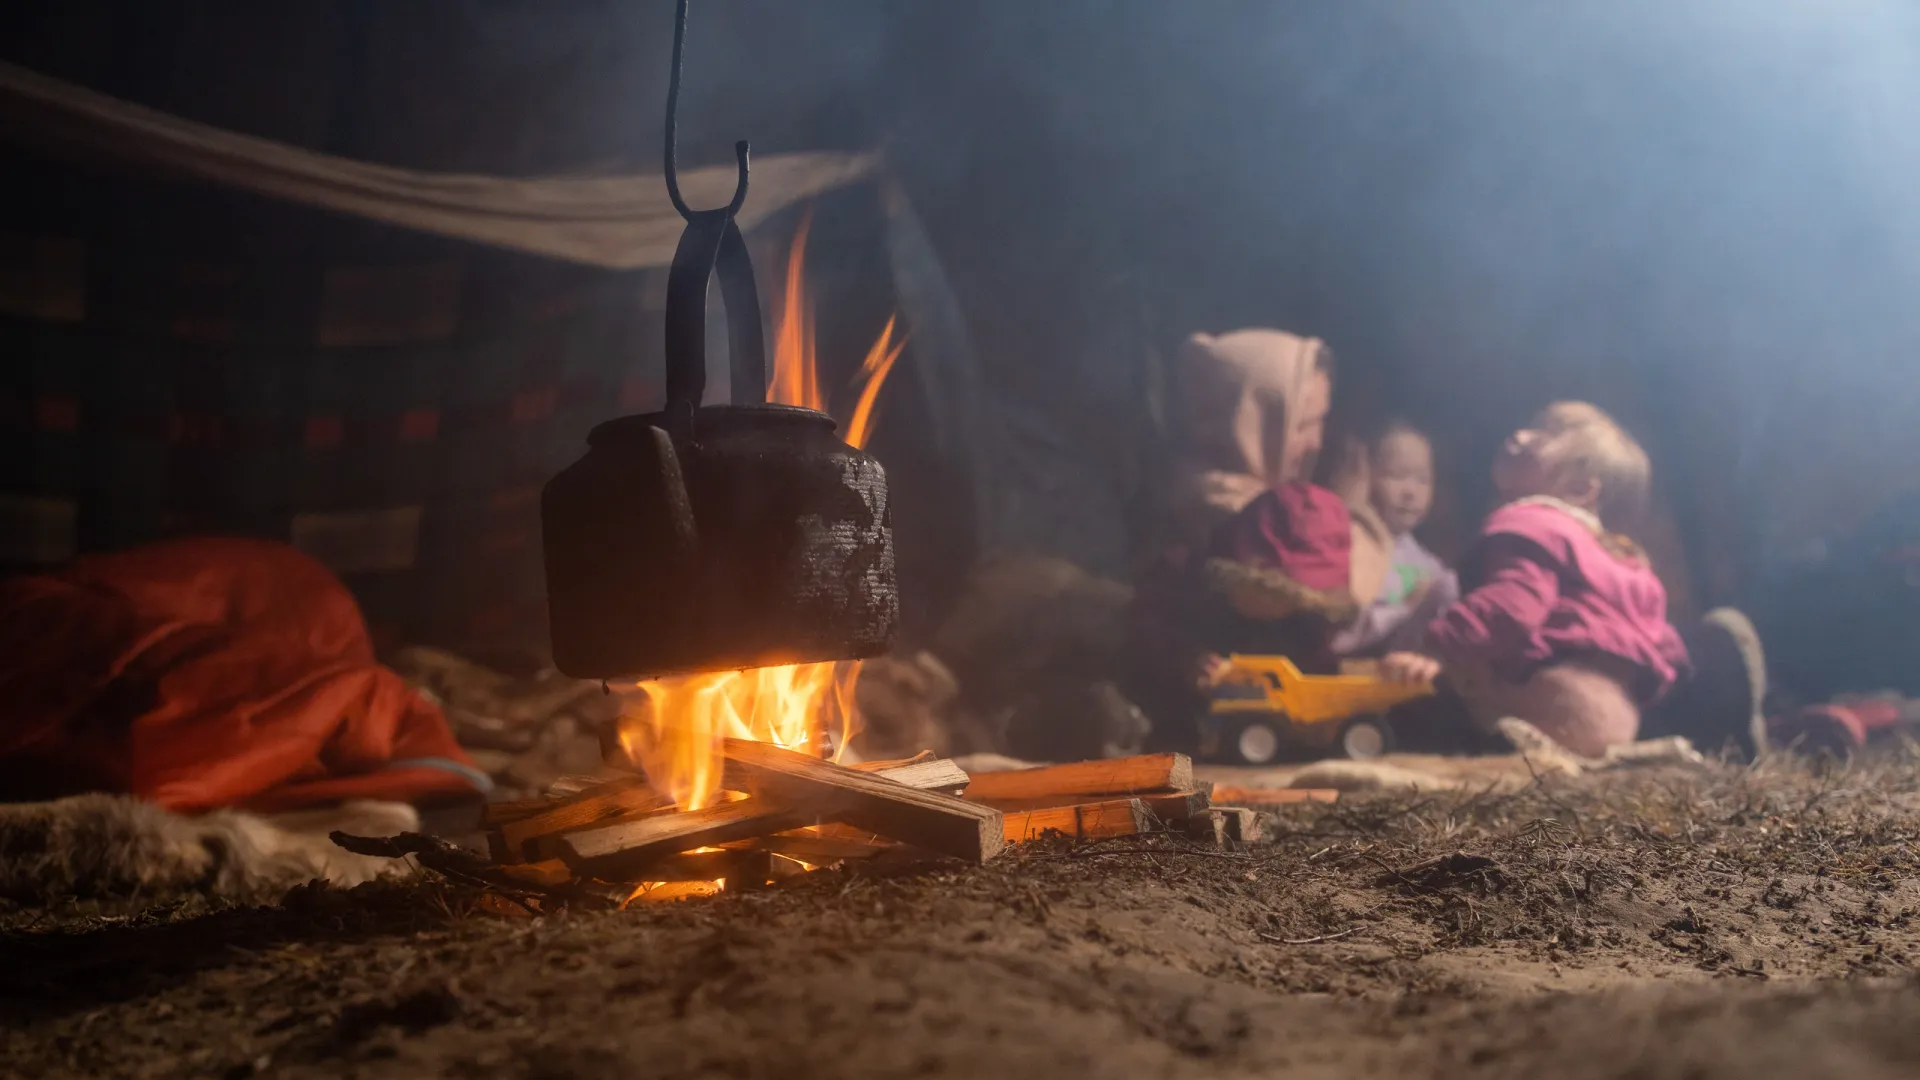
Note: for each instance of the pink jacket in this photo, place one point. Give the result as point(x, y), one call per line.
point(1541, 587)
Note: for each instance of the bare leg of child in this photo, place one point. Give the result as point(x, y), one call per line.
point(1581, 706)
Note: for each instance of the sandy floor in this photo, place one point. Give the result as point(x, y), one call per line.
point(1659, 923)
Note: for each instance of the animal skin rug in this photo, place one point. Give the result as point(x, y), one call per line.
point(114, 847)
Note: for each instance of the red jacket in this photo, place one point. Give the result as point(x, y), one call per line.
point(1542, 587)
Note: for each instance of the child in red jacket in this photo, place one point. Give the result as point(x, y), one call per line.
point(1563, 623)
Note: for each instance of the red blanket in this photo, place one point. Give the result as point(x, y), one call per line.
point(207, 673)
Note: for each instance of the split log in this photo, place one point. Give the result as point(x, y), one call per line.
point(814, 849)
point(1228, 827)
point(924, 819)
point(932, 774)
point(1209, 828)
point(924, 773)
point(736, 868)
point(1173, 807)
point(623, 852)
point(496, 814)
point(619, 800)
point(1226, 795)
point(547, 872)
point(1141, 775)
point(1086, 821)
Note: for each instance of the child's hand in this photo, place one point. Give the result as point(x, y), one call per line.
point(1211, 669)
point(1406, 667)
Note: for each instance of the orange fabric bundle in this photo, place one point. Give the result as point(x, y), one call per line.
point(207, 673)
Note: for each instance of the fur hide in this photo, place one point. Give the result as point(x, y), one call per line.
point(115, 847)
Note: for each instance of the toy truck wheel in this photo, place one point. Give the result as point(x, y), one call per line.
point(1256, 743)
point(1366, 737)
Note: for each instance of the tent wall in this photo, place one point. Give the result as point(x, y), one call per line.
point(181, 360)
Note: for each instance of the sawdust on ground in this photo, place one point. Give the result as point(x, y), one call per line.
point(1655, 923)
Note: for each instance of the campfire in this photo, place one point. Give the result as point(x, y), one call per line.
point(733, 779)
point(782, 813)
point(737, 779)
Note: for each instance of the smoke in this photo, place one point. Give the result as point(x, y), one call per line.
point(1701, 213)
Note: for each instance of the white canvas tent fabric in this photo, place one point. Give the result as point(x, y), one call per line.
point(615, 222)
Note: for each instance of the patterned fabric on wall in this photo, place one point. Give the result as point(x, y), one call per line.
point(396, 422)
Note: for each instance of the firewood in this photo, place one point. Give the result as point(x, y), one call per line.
point(1226, 795)
point(1231, 826)
point(497, 814)
point(1209, 828)
point(814, 849)
point(622, 852)
point(1085, 821)
point(622, 799)
point(548, 872)
point(1173, 807)
point(1244, 826)
point(932, 774)
point(625, 848)
point(926, 773)
point(730, 866)
point(924, 819)
point(576, 783)
point(1145, 774)
point(894, 763)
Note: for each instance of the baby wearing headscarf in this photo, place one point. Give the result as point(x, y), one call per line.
point(1259, 559)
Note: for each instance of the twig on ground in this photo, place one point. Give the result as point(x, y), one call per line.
point(1307, 940)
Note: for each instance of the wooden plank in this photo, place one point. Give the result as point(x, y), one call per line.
point(709, 866)
point(934, 774)
point(1244, 826)
point(634, 843)
point(1085, 821)
point(812, 848)
point(496, 814)
point(1173, 807)
point(1226, 795)
point(1209, 828)
point(626, 847)
point(1115, 776)
point(893, 763)
point(548, 872)
point(565, 787)
point(621, 799)
point(924, 819)
point(926, 773)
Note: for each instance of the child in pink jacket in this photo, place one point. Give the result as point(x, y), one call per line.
point(1562, 622)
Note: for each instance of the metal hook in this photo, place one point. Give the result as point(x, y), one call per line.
point(740, 149)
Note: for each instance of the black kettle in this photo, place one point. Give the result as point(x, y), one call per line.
point(707, 538)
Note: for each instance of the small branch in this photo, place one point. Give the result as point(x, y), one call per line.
point(453, 863)
point(1307, 940)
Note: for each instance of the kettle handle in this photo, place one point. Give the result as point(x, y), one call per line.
point(712, 245)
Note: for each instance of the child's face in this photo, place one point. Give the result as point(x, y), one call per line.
point(1533, 463)
point(1402, 485)
point(1306, 429)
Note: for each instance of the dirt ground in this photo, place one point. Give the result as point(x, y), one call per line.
point(1656, 923)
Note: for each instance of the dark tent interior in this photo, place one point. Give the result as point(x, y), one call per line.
point(358, 537)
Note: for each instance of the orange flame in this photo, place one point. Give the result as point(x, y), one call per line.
point(674, 726)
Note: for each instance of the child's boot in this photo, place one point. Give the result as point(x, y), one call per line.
point(1719, 705)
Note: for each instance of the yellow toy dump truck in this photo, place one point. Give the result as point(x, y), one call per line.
point(1262, 704)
